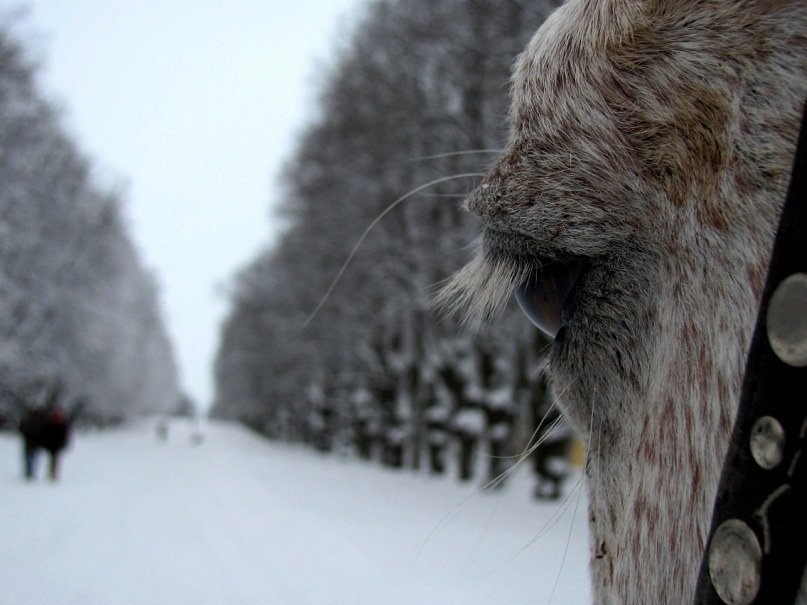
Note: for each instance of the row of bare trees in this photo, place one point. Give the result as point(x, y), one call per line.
point(417, 97)
point(77, 310)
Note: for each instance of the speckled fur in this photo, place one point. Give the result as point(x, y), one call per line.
point(654, 139)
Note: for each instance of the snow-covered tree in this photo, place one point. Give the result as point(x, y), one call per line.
point(77, 308)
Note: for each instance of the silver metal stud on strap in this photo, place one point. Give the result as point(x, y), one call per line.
point(735, 563)
point(768, 442)
point(787, 320)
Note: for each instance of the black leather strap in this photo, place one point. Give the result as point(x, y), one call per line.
point(771, 502)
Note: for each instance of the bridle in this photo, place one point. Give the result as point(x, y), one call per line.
point(757, 546)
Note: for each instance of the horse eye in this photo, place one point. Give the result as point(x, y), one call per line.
point(538, 299)
point(543, 296)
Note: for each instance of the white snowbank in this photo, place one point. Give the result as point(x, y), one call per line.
point(469, 421)
point(240, 520)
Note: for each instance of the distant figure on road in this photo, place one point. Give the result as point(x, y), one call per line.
point(197, 435)
point(31, 428)
point(48, 429)
point(162, 429)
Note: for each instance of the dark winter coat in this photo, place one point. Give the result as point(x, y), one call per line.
point(46, 429)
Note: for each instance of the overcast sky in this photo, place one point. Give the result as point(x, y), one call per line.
point(190, 106)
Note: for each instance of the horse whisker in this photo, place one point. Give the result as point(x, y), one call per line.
point(372, 225)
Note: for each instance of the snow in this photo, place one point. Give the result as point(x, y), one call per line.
point(469, 421)
point(240, 520)
point(500, 431)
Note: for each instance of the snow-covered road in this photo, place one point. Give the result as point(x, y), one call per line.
point(242, 520)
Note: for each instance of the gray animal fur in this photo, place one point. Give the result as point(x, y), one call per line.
point(654, 140)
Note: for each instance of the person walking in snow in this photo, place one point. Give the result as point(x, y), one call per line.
point(46, 428)
point(54, 438)
point(31, 425)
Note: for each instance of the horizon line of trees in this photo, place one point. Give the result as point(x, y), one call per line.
point(417, 96)
point(78, 312)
